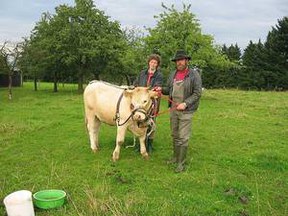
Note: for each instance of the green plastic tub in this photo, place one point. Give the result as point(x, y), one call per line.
point(48, 199)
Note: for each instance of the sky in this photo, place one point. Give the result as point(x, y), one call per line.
point(229, 22)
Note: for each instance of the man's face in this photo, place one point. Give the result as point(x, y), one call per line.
point(181, 64)
point(153, 64)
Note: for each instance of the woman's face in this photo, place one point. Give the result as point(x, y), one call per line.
point(153, 64)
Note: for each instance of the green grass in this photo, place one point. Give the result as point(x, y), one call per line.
point(238, 157)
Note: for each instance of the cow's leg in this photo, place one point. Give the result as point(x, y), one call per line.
point(93, 125)
point(143, 150)
point(121, 130)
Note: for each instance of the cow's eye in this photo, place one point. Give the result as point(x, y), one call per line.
point(131, 106)
point(145, 101)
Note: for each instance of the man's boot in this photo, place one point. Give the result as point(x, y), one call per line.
point(181, 159)
point(173, 160)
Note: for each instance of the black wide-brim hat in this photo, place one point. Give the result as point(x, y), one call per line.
point(180, 54)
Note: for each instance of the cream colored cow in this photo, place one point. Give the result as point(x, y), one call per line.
point(113, 105)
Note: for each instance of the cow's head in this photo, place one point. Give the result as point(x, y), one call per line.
point(140, 102)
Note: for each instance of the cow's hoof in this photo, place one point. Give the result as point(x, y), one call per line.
point(95, 150)
point(145, 156)
point(115, 159)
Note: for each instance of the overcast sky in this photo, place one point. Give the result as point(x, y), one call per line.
point(230, 22)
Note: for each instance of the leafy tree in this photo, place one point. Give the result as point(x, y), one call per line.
point(8, 62)
point(134, 58)
point(78, 41)
point(33, 60)
point(180, 30)
point(43, 53)
point(4, 68)
point(100, 41)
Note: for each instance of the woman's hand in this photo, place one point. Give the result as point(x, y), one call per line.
point(158, 90)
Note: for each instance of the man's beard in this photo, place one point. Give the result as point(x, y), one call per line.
point(181, 67)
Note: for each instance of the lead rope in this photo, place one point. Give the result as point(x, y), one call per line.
point(151, 122)
point(168, 110)
point(152, 125)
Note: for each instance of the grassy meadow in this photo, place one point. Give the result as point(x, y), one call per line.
point(237, 159)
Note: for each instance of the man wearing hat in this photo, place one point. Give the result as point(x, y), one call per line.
point(184, 87)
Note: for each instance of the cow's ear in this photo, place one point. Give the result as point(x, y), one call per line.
point(153, 94)
point(127, 92)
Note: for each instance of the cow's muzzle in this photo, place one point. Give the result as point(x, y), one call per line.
point(139, 115)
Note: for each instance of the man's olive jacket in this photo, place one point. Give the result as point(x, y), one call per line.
point(192, 89)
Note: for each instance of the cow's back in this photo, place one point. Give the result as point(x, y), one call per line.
point(100, 100)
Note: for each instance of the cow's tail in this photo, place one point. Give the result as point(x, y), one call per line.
point(85, 123)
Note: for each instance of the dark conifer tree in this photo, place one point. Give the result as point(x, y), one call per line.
point(276, 48)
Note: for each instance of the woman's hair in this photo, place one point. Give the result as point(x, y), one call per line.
point(154, 57)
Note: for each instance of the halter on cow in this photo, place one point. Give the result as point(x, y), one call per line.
point(148, 113)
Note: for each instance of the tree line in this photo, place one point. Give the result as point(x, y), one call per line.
point(262, 65)
point(80, 43)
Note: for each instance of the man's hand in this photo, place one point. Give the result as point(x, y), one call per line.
point(181, 106)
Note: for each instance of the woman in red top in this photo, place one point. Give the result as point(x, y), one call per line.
point(152, 78)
